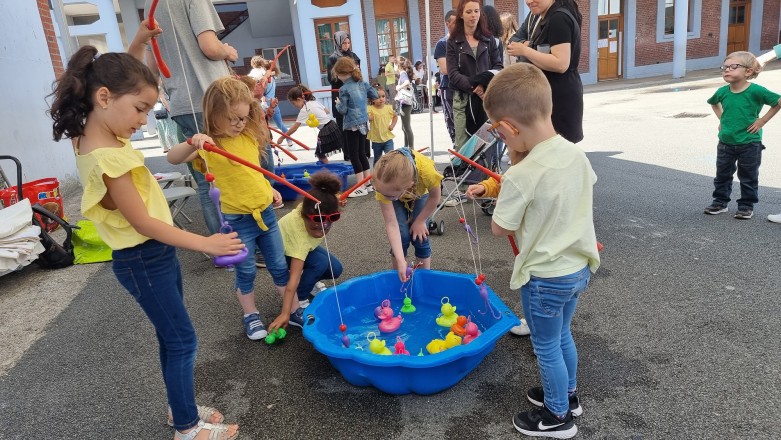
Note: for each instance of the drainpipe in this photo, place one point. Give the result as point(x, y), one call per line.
point(680, 37)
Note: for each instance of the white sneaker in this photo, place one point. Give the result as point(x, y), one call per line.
point(521, 330)
point(454, 201)
point(319, 287)
point(360, 192)
point(303, 303)
point(369, 187)
point(775, 218)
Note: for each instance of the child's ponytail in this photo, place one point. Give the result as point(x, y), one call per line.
point(87, 71)
point(300, 92)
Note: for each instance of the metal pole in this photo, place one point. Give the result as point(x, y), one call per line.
point(429, 79)
point(680, 37)
point(62, 24)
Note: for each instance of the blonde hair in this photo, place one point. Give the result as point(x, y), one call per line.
point(346, 66)
point(510, 26)
point(394, 168)
point(217, 102)
point(257, 61)
point(520, 92)
point(747, 59)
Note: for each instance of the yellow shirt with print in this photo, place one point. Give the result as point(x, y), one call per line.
point(242, 189)
point(428, 177)
point(113, 228)
point(380, 121)
point(298, 243)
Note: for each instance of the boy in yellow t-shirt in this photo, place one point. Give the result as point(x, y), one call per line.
point(382, 119)
point(546, 203)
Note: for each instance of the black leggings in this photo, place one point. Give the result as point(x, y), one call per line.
point(406, 116)
point(354, 144)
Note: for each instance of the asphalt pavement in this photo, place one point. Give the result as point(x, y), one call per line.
point(677, 333)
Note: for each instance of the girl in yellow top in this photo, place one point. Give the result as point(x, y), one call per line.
point(99, 102)
point(382, 119)
point(303, 230)
point(233, 122)
point(408, 188)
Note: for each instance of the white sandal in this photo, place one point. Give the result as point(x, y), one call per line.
point(204, 413)
point(217, 431)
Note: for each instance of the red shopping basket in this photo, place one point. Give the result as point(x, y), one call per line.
point(44, 191)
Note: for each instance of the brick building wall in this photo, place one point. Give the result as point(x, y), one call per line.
point(51, 36)
point(770, 16)
point(649, 52)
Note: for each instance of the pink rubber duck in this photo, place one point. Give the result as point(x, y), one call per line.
point(471, 332)
point(388, 322)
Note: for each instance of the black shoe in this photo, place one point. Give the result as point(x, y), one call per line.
point(536, 396)
point(715, 208)
point(744, 214)
point(539, 422)
point(260, 262)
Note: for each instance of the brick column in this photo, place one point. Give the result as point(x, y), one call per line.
point(51, 36)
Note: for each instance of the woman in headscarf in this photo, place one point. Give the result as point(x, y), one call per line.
point(342, 48)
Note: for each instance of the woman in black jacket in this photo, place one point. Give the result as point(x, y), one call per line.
point(471, 50)
point(342, 48)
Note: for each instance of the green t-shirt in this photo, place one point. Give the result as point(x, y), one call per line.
point(740, 110)
point(390, 74)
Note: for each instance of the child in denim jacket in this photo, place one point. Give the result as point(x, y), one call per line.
point(352, 104)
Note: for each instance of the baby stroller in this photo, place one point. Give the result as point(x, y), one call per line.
point(482, 148)
point(54, 256)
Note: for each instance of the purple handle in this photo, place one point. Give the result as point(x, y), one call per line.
point(231, 260)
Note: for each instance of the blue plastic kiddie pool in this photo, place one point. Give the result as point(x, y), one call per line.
point(402, 374)
point(294, 173)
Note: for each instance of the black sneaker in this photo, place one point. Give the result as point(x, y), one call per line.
point(536, 396)
point(744, 214)
point(260, 262)
point(715, 209)
point(539, 422)
point(297, 318)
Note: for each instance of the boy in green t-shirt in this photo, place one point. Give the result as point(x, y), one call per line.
point(737, 105)
point(546, 203)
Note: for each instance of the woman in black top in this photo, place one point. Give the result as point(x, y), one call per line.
point(342, 48)
point(554, 46)
point(471, 50)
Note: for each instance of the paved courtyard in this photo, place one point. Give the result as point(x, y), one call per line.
point(677, 334)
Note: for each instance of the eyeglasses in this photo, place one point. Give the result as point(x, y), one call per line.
point(728, 67)
point(493, 129)
point(236, 121)
point(323, 218)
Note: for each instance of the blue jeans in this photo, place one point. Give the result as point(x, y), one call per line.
point(316, 268)
point(270, 244)
point(151, 273)
point(745, 159)
point(210, 214)
point(381, 147)
point(278, 121)
point(405, 218)
point(548, 305)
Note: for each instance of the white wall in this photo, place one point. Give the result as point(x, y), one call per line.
point(26, 75)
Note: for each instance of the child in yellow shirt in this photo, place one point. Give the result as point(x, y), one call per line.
point(382, 119)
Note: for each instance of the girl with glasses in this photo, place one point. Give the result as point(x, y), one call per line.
point(233, 121)
point(303, 231)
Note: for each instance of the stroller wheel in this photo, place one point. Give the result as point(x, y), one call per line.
point(432, 227)
point(488, 207)
point(441, 230)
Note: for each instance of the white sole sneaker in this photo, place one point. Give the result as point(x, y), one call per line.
point(521, 330)
point(360, 192)
point(775, 218)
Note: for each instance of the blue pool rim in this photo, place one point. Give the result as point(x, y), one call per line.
point(438, 372)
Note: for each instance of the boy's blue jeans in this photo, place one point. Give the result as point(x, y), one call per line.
point(381, 147)
point(151, 273)
point(190, 126)
point(745, 159)
point(316, 268)
point(548, 305)
point(405, 220)
point(270, 244)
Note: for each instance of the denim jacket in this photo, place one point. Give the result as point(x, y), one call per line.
point(352, 102)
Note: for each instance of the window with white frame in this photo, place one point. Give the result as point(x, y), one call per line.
point(666, 19)
point(286, 71)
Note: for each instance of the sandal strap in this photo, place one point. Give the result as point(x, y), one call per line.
point(217, 431)
point(206, 412)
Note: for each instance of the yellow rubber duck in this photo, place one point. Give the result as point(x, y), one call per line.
point(436, 346)
point(377, 346)
point(449, 316)
point(452, 340)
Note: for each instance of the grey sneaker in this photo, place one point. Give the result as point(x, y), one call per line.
point(744, 214)
point(715, 209)
point(297, 318)
point(254, 327)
